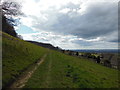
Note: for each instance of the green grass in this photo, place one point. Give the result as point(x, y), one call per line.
point(57, 71)
point(17, 56)
point(63, 71)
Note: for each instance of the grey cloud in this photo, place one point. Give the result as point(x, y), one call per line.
point(113, 37)
point(99, 20)
point(83, 43)
point(72, 6)
point(115, 40)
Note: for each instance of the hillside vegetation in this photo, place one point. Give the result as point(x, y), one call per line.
point(57, 71)
point(17, 56)
point(63, 71)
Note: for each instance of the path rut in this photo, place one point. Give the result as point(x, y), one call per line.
point(48, 76)
point(21, 81)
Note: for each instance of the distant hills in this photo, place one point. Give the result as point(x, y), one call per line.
point(50, 46)
point(98, 50)
point(45, 45)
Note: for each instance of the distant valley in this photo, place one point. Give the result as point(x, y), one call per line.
point(98, 50)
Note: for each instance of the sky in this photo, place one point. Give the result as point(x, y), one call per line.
point(71, 24)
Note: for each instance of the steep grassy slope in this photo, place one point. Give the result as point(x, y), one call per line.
point(59, 71)
point(17, 56)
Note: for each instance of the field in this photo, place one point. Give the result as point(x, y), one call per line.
point(17, 56)
point(57, 71)
point(63, 71)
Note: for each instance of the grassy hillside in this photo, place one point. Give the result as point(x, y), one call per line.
point(63, 71)
point(57, 71)
point(17, 56)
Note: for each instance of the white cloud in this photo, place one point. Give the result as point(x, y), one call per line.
point(65, 10)
point(94, 40)
point(54, 39)
point(68, 41)
point(69, 23)
point(26, 21)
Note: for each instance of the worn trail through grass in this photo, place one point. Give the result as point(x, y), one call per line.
point(63, 71)
point(21, 81)
point(48, 76)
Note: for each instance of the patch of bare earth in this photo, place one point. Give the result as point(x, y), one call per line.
point(21, 81)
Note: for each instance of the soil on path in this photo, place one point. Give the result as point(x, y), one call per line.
point(21, 81)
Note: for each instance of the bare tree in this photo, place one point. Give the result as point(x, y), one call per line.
point(10, 9)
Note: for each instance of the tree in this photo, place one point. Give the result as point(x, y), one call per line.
point(77, 53)
point(98, 59)
point(7, 28)
point(10, 10)
point(11, 7)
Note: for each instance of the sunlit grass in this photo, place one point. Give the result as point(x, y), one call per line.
point(63, 71)
point(17, 56)
point(57, 71)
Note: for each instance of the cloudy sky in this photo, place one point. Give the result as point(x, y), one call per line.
point(71, 24)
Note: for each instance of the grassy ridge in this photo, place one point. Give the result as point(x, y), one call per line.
point(57, 71)
point(17, 56)
point(61, 71)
